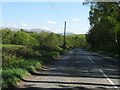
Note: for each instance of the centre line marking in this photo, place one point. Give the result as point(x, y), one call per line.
point(102, 72)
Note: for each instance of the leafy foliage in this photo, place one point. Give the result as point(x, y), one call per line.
point(24, 52)
point(105, 27)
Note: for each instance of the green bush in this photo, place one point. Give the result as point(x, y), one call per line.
point(10, 77)
point(30, 52)
point(26, 52)
point(14, 68)
point(11, 61)
point(51, 55)
point(54, 54)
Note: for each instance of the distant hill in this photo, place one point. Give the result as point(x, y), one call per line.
point(68, 33)
point(81, 35)
point(38, 30)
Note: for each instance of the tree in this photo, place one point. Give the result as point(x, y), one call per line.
point(105, 26)
point(7, 36)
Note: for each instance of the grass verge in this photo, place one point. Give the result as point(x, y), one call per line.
point(18, 63)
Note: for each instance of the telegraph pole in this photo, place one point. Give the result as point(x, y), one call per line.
point(64, 45)
point(116, 44)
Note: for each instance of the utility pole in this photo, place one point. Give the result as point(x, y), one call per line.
point(64, 45)
point(116, 44)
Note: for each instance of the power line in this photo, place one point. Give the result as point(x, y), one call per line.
point(58, 14)
point(61, 18)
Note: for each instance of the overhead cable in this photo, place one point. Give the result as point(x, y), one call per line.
point(58, 14)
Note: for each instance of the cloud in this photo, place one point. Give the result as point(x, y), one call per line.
point(19, 25)
point(14, 25)
point(45, 28)
point(5, 24)
point(24, 25)
point(76, 20)
point(51, 22)
point(35, 27)
point(58, 30)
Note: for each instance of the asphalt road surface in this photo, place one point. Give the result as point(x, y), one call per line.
point(79, 69)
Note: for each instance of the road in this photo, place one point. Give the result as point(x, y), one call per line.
point(79, 69)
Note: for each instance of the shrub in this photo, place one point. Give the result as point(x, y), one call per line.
point(26, 52)
point(14, 68)
point(11, 76)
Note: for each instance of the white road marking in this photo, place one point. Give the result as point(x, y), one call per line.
point(107, 78)
point(102, 72)
point(91, 60)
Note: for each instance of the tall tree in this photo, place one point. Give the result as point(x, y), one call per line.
point(105, 26)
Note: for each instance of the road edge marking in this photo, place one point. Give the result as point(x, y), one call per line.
point(108, 78)
point(102, 72)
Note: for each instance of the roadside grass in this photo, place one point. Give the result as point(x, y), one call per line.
point(12, 76)
point(19, 62)
point(16, 68)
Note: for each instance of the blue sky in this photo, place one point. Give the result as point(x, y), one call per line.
point(47, 16)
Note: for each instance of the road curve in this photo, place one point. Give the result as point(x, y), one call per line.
point(79, 69)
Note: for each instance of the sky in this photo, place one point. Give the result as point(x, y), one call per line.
point(46, 15)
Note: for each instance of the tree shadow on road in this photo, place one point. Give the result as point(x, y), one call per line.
point(79, 66)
